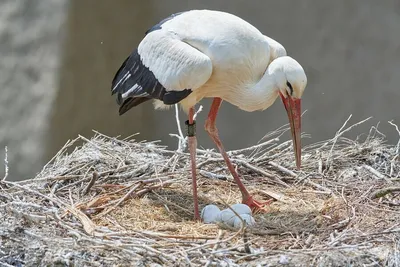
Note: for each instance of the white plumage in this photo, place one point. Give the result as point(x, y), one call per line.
point(198, 43)
point(201, 54)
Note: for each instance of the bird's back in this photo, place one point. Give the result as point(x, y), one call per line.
point(239, 52)
point(192, 55)
point(221, 36)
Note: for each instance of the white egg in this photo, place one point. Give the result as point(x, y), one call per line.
point(209, 213)
point(227, 217)
point(237, 223)
point(241, 208)
point(218, 218)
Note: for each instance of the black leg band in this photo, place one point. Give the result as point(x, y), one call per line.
point(190, 128)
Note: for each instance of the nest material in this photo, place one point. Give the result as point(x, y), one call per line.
point(113, 202)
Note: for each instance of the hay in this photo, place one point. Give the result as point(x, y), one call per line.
point(113, 202)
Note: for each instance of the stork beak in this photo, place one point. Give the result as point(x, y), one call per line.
point(293, 109)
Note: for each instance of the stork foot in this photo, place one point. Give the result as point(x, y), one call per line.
point(255, 205)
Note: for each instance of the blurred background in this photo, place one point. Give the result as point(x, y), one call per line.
point(58, 57)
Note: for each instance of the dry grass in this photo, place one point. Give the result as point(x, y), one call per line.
point(113, 202)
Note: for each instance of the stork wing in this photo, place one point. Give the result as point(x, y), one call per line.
point(276, 49)
point(164, 68)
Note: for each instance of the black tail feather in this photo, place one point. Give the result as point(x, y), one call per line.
point(130, 103)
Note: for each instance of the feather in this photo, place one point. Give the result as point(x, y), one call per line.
point(134, 84)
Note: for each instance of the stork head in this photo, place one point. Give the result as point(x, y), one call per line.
point(291, 81)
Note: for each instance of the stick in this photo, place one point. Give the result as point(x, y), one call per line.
point(88, 225)
point(398, 131)
point(197, 112)
point(5, 163)
point(339, 133)
point(320, 164)
point(376, 173)
point(213, 175)
point(282, 169)
point(275, 195)
point(91, 182)
point(384, 191)
point(327, 190)
point(66, 145)
point(258, 170)
point(240, 151)
point(125, 197)
point(214, 248)
point(181, 137)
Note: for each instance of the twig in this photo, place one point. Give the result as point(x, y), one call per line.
point(52, 178)
point(214, 248)
point(281, 148)
point(181, 137)
point(5, 163)
point(327, 190)
point(282, 169)
point(58, 202)
point(316, 192)
point(246, 165)
point(339, 133)
point(166, 201)
point(170, 236)
point(275, 195)
point(320, 164)
point(213, 175)
point(62, 150)
point(264, 173)
point(208, 161)
point(88, 225)
point(91, 182)
point(30, 217)
point(376, 173)
point(398, 131)
point(171, 258)
point(384, 191)
point(125, 197)
point(197, 112)
point(243, 150)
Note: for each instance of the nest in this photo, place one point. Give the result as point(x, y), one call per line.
point(119, 202)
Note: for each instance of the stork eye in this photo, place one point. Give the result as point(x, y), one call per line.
point(290, 87)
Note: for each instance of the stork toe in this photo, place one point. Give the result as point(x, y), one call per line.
point(257, 206)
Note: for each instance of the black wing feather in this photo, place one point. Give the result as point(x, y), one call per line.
point(134, 83)
point(134, 80)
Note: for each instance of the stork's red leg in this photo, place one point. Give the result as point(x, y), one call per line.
point(192, 149)
point(213, 132)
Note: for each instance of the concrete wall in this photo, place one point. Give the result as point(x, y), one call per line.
point(29, 47)
point(350, 50)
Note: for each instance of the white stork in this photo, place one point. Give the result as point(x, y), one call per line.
point(202, 53)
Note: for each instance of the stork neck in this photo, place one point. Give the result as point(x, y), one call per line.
point(263, 94)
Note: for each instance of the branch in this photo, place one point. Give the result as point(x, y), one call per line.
point(384, 191)
point(398, 131)
point(339, 133)
point(180, 136)
point(5, 163)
